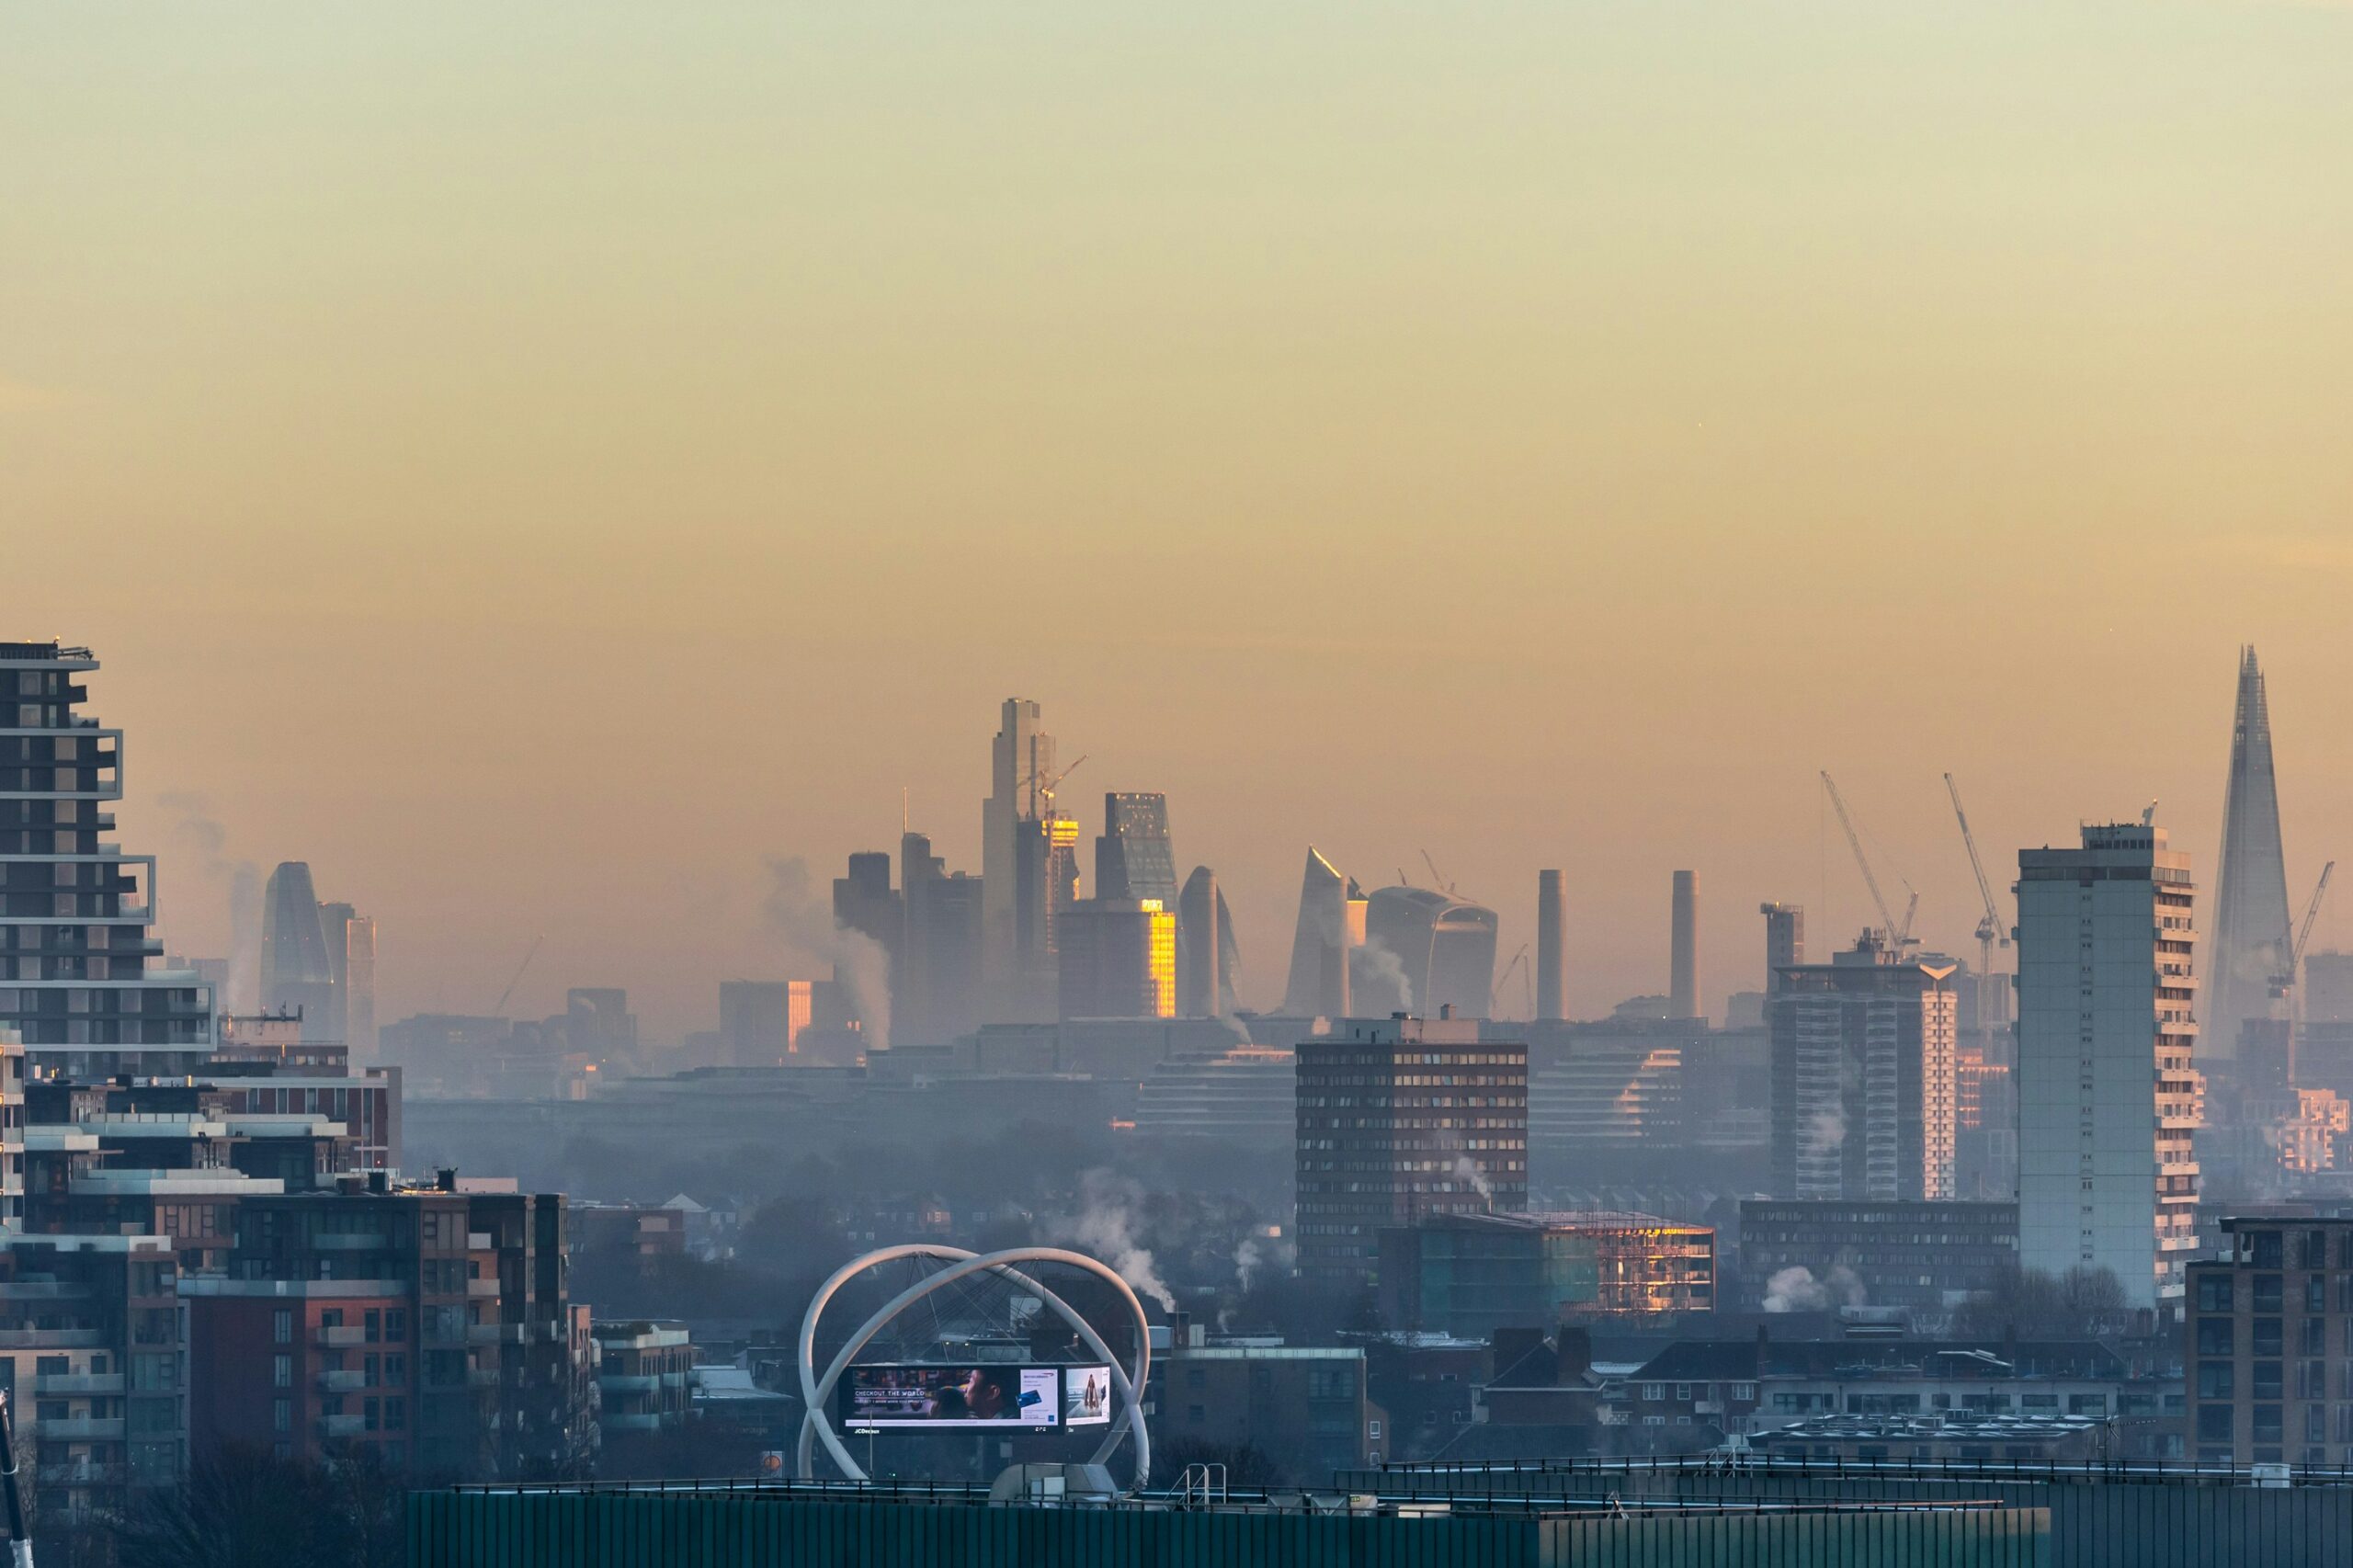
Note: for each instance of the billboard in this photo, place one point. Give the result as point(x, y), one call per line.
point(1086, 1396)
point(919, 1397)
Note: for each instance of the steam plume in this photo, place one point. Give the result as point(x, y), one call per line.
point(859, 961)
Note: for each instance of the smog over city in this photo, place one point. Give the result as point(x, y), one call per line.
point(769, 774)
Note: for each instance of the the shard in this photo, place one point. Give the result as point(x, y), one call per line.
point(2251, 942)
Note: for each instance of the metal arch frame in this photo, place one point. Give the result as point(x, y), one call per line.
point(817, 1426)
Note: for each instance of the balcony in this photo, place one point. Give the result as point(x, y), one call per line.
point(479, 1240)
point(342, 1335)
point(64, 1384)
point(482, 1288)
point(345, 1426)
point(481, 1377)
point(80, 1429)
point(344, 1243)
point(342, 1380)
point(497, 1332)
point(629, 1383)
point(80, 1473)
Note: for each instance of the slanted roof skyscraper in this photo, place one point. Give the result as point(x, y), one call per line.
point(2251, 939)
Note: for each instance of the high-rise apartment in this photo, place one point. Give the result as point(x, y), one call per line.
point(1400, 1118)
point(2249, 955)
point(1863, 1077)
point(75, 950)
point(2107, 1093)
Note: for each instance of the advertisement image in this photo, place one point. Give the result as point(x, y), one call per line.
point(943, 1396)
point(1086, 1396)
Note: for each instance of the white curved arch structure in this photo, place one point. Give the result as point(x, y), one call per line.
point(1127, 1383)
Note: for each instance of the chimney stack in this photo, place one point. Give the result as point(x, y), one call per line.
point(1683, 987)
point(1551, 948)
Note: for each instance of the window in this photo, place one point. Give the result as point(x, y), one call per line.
point(281, 1415)
point(1654, 1391)
point(2215, 1337)
point(281, 1371)
point(2268, 1292)
point(2213, 1423)
point(2214, 1379)
point(2265, 1383)
point(2214, 1291)
point(281, 1326)
point(2265, 1337)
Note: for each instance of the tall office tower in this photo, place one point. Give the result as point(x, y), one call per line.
point(760, 1020)
point(1118, 959)
point(935, 985)
point(1551, 948)
point(1864, 1077)
point(335, 925)
point(1331, 928)
point(1683, 984)
point(2251, 941)
point(1400, 1118)
point(1445, 945)
point(359, 986)
point(1133, 858)
point(1784, 940)
point(297, 965)
point(76, 983)
point(2106, 1095)
point(864, 902)
point(1200, 936)
point(1014, 909)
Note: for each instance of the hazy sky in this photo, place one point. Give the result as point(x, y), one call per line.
point(535, 462)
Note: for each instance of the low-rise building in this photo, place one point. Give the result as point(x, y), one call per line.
point(2269, 1342)
point(1305, 1406)
point(1924, 1256)
point(642, 1379)
point(1473, 1275)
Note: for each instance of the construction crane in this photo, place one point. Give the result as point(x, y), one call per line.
point(2283, 984)
point(1046, 783)
point(1437, 877)
point(1898, 936)
point(1527, 977)
point(500, 1011)
point(1989, 925)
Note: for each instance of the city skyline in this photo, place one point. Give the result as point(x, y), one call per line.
point(1644, 469)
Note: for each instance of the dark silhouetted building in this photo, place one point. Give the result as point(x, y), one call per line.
point(1927, 1256)
point(1133, 858)
point(1201, 928)
point(298, 963)
point(1331, 928)
point(1400, 1118)
point(935, 984)
point(760, 1020)
point(1118, 959)
point(1551, 948)
point(1784, 940)
point(1683, 949)
point(2252, 944)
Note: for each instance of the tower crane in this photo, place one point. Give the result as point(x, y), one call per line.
point(1437, 877)
point(1528, 977)
point(2283, 984)
point(1045, 782)
point(1989, 925)
point(1898, 936)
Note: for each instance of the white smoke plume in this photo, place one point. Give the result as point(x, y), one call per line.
point(1826, 1130)
point(807, 920)
point(1795, 1290)
point(1247, 1260)
point(1106, 1226)
point(1465, 1169)
point(200, 831)
point(1377, 980)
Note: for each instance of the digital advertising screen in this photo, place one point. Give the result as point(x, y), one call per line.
point(917, 1397)
point(1086, 1396)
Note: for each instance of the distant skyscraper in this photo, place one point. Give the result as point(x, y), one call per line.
point(1016, 915)
point(760, 1021)
point(2106, 1093)
point(335, 925)
point(359, 986)
point(935, 984)
point(1551, 948)
point(2251, 940)
point(297, 965)
point(1133, 858)
point(1118, 959)
point(1863, 1077)
point(1683, 985)
point(598, 1022)
point(1784, 940)
point(1200, 931)
point(1445, 945)
point(75, 985)
point(1331, 927)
